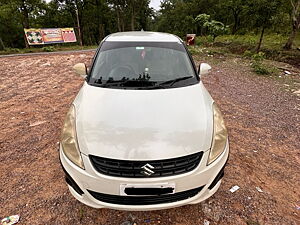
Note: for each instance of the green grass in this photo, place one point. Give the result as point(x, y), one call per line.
point(45, 48)
point(270, 41)
point(245, 45)
point(261, 68)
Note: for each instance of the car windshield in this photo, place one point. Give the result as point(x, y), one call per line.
point(142, 65)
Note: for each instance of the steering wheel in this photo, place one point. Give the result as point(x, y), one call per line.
point(119, 72)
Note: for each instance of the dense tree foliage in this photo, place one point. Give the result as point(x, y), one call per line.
point(98, 18)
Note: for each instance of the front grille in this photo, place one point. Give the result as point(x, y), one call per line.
point(145, 200)
point(161, 168)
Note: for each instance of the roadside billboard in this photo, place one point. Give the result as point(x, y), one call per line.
point(50, 35)
point(68, 35)
point(34, 36)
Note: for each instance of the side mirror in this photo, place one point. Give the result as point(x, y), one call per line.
point(80, 69)
point(204, 69)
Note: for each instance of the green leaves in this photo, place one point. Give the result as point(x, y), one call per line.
point(213, 27)
point(201, 19)
point(99, 18)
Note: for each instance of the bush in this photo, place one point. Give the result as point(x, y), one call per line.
point(204, 40)
point(261, 69)
point(258, 65)
point(194, 50)
point(248, 54)
point(210, 39)
point(258, 57)
point(12, 50)
point(49, 49)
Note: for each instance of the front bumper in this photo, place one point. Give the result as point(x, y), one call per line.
point(207, 177)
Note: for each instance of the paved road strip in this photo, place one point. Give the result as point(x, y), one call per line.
point(46, 53)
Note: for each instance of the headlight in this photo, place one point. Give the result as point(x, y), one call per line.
point(69, 139)
point(220, 136)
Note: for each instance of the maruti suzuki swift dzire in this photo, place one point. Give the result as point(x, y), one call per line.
point(143, 133)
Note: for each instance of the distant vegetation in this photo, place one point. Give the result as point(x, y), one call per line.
point(211, 19)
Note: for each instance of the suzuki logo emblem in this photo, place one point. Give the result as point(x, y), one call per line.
point(147, 170)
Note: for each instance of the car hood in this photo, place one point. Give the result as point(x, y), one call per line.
point(143, 124)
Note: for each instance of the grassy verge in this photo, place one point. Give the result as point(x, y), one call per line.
point(45, 48)
point(246, 45)
point(259, 63)
point(270, 41)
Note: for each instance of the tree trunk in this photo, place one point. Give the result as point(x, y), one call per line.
point(90, 38)
point(79, 29)
point(99, 20)
point(26, 41)
point(132, 18)
point(214, 38)
point(291, 39)
point(260, 39)
point(101, 31)
point(118, 20)
point(25, 21)
point(236, 22)
point(295, 16)
point(236, 16)
point(122, 24)
point(2, 47)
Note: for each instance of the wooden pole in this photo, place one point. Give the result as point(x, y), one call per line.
point(78, 25)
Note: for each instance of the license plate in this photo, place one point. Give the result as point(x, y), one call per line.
point(147, 189)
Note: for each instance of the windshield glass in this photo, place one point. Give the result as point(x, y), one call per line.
point(142, 64)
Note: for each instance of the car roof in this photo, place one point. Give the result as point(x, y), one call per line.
point(143, 36)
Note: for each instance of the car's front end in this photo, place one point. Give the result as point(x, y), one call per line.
point(142, 144)
point(102, 191)
point(176, 150)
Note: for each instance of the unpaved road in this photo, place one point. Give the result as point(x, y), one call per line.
point(261, 116)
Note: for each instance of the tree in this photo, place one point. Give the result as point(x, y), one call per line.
point(119, 7)
point(295, 19)
point(262, 12)
point(76, 9)
point(96, 19)
point(23, 10)
point(101, 17)
point(177, 17)
point(214, 28)
point(143, 14)
point(52, 15)
point(236, 9)
point(11, 30)
point(200, 20)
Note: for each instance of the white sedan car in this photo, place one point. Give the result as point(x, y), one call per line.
point(143, 132)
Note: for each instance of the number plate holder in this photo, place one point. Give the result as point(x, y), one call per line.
point(147, 189)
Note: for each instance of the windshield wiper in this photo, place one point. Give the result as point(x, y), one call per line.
point(126, 82)
point(157, 86)
point(140, 83)
point(173, 81)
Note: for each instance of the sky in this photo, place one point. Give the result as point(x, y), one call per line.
point(153, 3)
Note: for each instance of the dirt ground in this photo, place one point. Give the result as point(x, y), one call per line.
point(262, 115)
